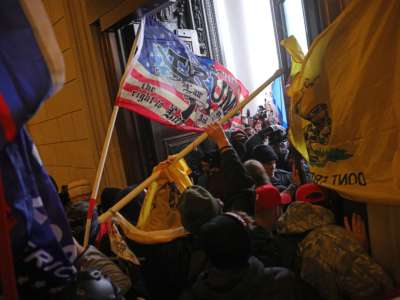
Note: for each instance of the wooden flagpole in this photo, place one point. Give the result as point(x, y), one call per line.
point(99, 173)
point(189, 148)
point(106, 146)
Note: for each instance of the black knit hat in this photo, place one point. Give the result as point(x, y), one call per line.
point(197, 206)
point(264, 154)
point(226, 241)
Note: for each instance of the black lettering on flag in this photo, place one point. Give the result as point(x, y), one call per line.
point(334, 178)
point(342, 179)
point(178, 63)
point(352, 178)
point(361, 179)
point(182, 68)
point(188, 111)
point(223, 95)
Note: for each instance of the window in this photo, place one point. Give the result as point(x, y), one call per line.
point(246, 31)
point(300, 18)
point(295, 22)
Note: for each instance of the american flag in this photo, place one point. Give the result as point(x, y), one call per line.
point(165, 81)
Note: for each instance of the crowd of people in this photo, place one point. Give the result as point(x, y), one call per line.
point(259, 229)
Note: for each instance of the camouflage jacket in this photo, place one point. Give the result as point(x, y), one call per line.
point(330, 259)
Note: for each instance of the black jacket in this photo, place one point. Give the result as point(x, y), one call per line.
point(276, 250)
point(240, 189)
point(281, 179)
point(251, 143)
point(252, 282)
point(283, 162)
point(170, 268)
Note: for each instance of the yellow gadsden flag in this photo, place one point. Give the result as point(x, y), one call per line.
point(345, 103)
point(159, 220)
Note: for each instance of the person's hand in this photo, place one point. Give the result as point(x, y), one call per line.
point(165, 164)
point(217, 135)
point(357, 229)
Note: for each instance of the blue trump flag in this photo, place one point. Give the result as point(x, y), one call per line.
point(31, 69)
point(278, 99)
point(42, 241)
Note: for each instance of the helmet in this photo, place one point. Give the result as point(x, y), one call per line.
point(88, 285)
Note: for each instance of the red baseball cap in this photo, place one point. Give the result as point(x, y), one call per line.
point(269, 197)
point(310, 192)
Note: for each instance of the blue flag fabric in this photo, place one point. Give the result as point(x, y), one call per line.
point(278, 99)
point(31, 66)
point(42, 241)
point(31, 69)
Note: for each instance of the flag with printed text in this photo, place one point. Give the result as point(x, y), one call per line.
point(167, 83)
point(345, 102)
point(31, 70)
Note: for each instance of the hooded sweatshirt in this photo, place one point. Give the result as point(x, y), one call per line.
point(252, 282)
point(330, 259)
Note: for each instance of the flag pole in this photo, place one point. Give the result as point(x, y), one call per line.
point(189, 148)
point(106, 146)
point(99, 173)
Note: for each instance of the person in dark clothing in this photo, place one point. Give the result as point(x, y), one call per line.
point(238, 140)
point(240, 192)
point(212, 176)
point(256, 139)
point(267, 156)
point(169, 268)
point(172, 267)
point(278, 141)
point(240, 149)
point(239, 186)
point(234, 273)
point(271, 249)
point(196, 207)
point(216, 184)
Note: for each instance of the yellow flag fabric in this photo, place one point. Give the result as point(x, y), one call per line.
point(293, 48)
point(159, 210)
point(345, 103)
point(119, 246)
point(149, 237)
point(159, 219)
